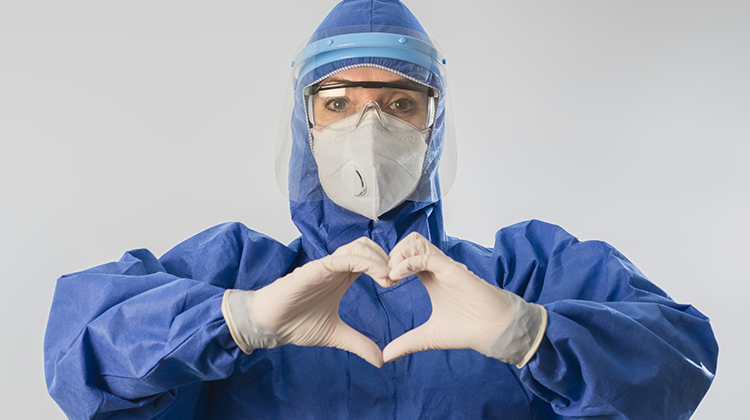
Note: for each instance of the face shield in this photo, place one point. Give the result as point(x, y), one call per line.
point(315, 98)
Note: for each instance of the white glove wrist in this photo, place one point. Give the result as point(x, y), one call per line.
point(521, 339)
point(248, 335)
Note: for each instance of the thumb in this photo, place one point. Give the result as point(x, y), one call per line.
point(351, 340)
point(416, 340)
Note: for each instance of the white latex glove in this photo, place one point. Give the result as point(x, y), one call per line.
point(467, 312)
point(302, 308)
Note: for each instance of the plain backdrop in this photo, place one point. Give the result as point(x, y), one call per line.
point(136, 124)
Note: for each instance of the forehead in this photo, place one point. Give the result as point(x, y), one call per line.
point(365, 74)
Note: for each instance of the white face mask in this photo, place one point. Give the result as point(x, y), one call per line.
point(369, 164)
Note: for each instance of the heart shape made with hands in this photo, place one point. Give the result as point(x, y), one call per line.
point(301, 308)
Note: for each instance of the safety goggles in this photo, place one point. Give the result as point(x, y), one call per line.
point(328, 103)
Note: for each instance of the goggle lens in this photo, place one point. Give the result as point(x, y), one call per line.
point(330, 103)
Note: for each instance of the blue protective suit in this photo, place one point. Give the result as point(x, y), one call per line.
point(144, 337)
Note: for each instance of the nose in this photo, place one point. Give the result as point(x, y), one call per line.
point(369, 106)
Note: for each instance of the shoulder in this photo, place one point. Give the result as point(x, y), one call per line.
point(534, 230)
point(537, 256)
point(229, 248)
point(231, 235)
point(531, 237)
point(545, 240)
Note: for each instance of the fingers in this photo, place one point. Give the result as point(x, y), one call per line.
point(365, 256)
point(349, 339)
point(416, 340)
point(414, 244)
point(424, 262)
point(376, 269)
point(363, 247)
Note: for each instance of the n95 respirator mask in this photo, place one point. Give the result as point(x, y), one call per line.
point(371, 162)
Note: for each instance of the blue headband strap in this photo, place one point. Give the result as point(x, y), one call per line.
point(369, 44)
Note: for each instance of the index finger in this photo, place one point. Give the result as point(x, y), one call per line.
point(414, 244)
point(374, 268)
point(363, 247)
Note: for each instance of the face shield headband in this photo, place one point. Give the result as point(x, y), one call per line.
point(370, 44)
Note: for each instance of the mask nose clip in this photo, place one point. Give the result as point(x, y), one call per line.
point(370, 105)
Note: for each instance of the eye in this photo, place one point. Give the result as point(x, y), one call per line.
point(403, 105)
point(337, 104)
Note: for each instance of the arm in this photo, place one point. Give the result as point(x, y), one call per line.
point(615, 343)
point(141, 335)
point(613, 346)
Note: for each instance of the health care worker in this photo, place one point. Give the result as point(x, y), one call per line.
point(232, 324)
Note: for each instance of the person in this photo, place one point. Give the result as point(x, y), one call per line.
point(374, 311)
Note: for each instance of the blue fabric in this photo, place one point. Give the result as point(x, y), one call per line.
point(144, 337)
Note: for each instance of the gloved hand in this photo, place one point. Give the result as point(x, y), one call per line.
point(467, 312)
point(302, 308)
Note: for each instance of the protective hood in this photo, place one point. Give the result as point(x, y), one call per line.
point(324, 225)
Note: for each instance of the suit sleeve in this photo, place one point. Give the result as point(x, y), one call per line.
point(616, 346)
point(139, 337)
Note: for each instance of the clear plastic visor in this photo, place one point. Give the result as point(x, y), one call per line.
point(334, 101)
point(326, 50)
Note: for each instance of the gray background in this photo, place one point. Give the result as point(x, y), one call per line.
point(128, 124)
